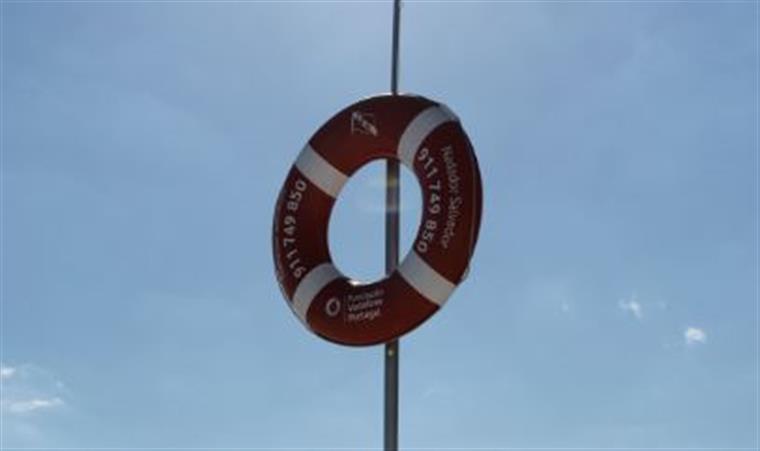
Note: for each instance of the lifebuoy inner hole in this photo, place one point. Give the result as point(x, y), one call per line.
point(356, 232)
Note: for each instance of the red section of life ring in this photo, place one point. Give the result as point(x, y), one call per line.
point(426, 137)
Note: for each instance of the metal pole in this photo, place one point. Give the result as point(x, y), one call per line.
point(391, 258)
point(394, 56)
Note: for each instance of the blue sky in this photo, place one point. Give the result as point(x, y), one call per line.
point(612, 300)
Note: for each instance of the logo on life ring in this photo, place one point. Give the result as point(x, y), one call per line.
point(332, 307)
point(363, 123)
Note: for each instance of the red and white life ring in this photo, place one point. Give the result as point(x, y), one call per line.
point(426, 137)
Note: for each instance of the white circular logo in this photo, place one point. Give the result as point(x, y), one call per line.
point(332, 307)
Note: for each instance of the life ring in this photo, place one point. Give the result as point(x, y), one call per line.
point(426, 137)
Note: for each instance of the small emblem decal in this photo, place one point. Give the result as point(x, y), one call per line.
point(363, 123)
point(332, 307)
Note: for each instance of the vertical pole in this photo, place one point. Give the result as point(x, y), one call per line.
point(391, 258)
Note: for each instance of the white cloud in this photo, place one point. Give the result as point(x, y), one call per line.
point(694, 335)
point(31, 405)
point(7, 372)
point(632, 306)
point(28, 389)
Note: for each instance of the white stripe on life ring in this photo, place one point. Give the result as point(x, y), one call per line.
point(320, 172)
point(425, 280)
point(310, 287)
point(419, 128)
